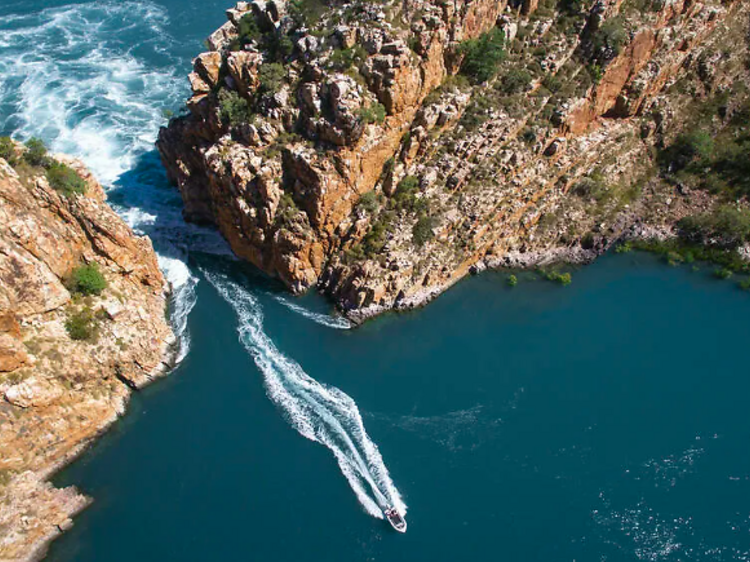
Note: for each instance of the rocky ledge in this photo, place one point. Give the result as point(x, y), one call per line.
point(82, 323)
point(383, 150)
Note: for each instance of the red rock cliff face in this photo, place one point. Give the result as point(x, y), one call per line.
point(284, 183)
point(236, 178)
point(58, 393)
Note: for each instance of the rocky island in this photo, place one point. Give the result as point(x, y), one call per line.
point(382, 151)
point(82, 323)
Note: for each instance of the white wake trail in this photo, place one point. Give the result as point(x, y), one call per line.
point(335, 322)
point(321, 413)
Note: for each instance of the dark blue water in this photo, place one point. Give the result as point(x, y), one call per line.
point(603, 421)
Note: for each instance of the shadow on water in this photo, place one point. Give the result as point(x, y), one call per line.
point(144, 197)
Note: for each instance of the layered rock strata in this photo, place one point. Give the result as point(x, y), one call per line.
point(58, 393)
point(306, 178)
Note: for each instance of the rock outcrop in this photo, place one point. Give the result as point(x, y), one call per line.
point(58, 393)
point(345, 151)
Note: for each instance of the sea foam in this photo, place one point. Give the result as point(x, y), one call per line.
point(335, 322)
point(319, 412)
point(70, 76)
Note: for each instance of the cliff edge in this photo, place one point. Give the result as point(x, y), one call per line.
point(382, 151)
point(82, 322)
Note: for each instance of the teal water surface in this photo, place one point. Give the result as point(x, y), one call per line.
point(603, 421)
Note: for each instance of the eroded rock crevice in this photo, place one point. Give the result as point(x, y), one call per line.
point(362, 148)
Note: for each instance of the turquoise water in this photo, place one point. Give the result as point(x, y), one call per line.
point(603, 421)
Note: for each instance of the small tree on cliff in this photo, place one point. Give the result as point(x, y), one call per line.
point(36, 152)
point(7, 150)
point(483, 55)
point(272, 77)
point(233, 108)
point(87, 280)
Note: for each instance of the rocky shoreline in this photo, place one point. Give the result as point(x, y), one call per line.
point(363, 150)
point(82, 325)
point(515, 261)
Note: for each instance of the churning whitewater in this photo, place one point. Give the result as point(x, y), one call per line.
point(335, 322)
point(87, 93)
point(321, 413)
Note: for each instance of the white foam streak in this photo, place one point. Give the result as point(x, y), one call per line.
point(82, 89)
point(335, 322)
point(183, 299)
point(321, 413)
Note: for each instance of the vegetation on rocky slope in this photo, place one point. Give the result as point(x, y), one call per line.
point(32, 158)
point(417, 141)
point(82, 319)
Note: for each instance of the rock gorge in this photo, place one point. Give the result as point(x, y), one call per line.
point(68, 360)
point(344, 145)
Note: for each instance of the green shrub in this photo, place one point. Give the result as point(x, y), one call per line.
point(388, 167)
point(592, 186)
point(552, 83)
point(516, 82)
point(624, 248)
point(64, 179)
point(596, 72)
point(354, 254)
point(6, 475)
point(8, 150)
point(306, 13)
point(272, 77)
point(375, 113)
point(405, 196)
point(83, 326)
point(688, 148)
point(87, 280)
point(342, 60)
point(563, 279)
point(512, 280)
point(279, 47)
point(674, 258)
point(528, 136)
point(422, 230)
point(376, 237)
point(477, 112)
point(248, 29)
point(482, 56)
point(610, 38)
point(234, 109)
point(572, 7)
point(36, 152)
point(723, 273)
point(727, 226)
point(287, 209)
point(368, 202)
point(588, 241)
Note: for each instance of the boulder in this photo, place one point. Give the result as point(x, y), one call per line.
point(33, 392)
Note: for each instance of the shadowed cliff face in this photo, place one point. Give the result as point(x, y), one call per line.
point(342, 149)
point(67, 358)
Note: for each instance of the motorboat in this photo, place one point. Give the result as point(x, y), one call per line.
point(396, 520)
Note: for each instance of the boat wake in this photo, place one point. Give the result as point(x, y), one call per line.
point(321, 413)
point(335, 322)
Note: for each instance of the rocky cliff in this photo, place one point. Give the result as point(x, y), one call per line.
point(82, 321)
point(382, 151)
